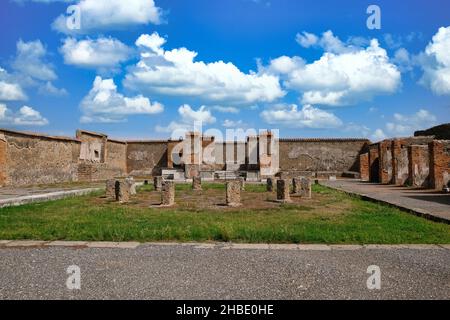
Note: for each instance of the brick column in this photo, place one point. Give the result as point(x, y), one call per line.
point(364, 167)
point(419, 165)
point(385, 160)
point(374, 164)
point(439, 163)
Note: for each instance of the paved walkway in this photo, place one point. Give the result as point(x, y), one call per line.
point(222, 271)
point(20, 196)
point(427, 203)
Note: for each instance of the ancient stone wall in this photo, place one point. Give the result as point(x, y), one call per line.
point(3, 171)
point(439, 164)
point(147, 157)
point(39, 159)
point(332, 155)
point(419, 165)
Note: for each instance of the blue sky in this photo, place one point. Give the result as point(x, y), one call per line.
point(307, 68)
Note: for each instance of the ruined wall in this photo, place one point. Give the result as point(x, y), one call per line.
point(364, 167)
point(419, 165)
point(439, 164)
point(374, 163)
point(3, 172)
point(39, 159)
point(147, 157)
point(332, 155)
point(385, 160)
point(400, 158)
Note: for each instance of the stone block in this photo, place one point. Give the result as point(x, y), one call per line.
point(305, 188)
point(111, 189)
point(242, 183)
point(271, 184)
point(283, 191)
point(132, 185)
point(122, 191)
point(233, 194)
point(196, 183)
point(168, 193)
point(157, 183)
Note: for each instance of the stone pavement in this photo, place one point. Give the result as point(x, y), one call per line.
point(429, 204)
point(38, 270)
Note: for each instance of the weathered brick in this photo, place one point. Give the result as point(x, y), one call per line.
point(419, 165)
point(385, 161)
point(122, 191)
point(439, 164)
point(364, 167)
point(196, 183)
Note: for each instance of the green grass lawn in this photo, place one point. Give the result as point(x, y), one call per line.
point(330, 217)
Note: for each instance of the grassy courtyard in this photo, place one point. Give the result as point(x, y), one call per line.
point(329, 217)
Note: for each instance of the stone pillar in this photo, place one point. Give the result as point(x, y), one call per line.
point(385, 160)
point(196, 183)
point(233, 194)
point(242, 183)
point(132, 184)
point(374, 163)
point(305, 188)
point(122, 191)
point(364, 167)
point(271, 183)
point(168, 193)
point(439, 164)
point(419, 165)
point(283, 191)
point(297, 186)
point(157, 183)
point(111, 189)
point(192, 154)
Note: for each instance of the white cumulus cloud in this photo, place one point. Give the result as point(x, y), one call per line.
point(30, 61)
point(405, 125)
point(105, 104)
point(111, 15)
point(102, 54)
point(175, 73)
point(188, 121)
point(306, 117)
point(26, 116)
point(344, 75)
point(435, 63)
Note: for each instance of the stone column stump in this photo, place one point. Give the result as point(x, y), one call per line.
point(157, 183)
point(305, 188)
point(168, 193)
point(271, 183)
point(233, 194)
point(122, 191)
point(283, 190)
point(111, 189)
point(242, 183)
point(132, 185)
point(197, 184)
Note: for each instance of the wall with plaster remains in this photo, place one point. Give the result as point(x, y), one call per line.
point(39, 159)
point(146, 157)
point(419, 165)
point(334, 155)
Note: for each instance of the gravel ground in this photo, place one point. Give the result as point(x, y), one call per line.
point(212, 272)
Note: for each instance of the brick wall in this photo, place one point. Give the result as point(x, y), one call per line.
point(385, 160)
point(439, 163)
point(374, 163)
point(419, 165)
point(364, 167)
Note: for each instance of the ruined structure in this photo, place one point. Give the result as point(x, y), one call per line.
point(420, 161)
point(30, 158)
